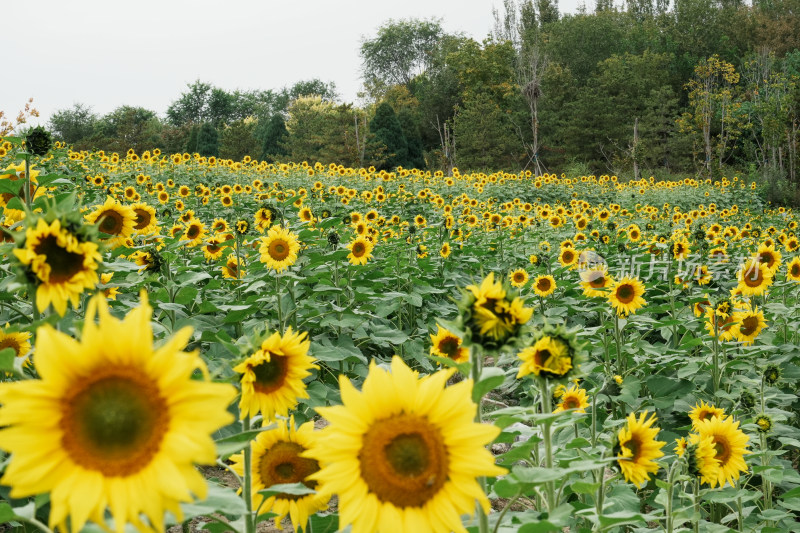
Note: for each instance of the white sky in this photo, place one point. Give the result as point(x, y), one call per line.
point(107, 53)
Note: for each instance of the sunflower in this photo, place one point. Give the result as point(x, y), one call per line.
point(279, 248)
point(700, 455)
point(793, 270)
point(638, 448)
point(220, 225)
point(18, 341)
point(194, 233)
point(446, 344)
point(63, 266)
point(109, 292)
point(145, 222)
point(770, 257)
point(730, 445)
point(115, 220)
point(681, 250)
point(567, 257)
point(493, 315)
point(404, 453)
point(233, 267)
point(214, 248)
point(306, 215)
point(549, 357)
point(518, 278)
point(360, 251)
point(544, 285)
point(754, 278)
point(595, 281)
point(573, 398)
point(445, 251)
point(626, 295)
point(748, 324)
point(276, 460)
point(272, 378)
point(109, 418)
point(703, 411)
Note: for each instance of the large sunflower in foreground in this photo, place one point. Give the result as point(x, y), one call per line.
point(63, 265)
point(272, 378)
point(404, 453)
point(279, 248)
point(113, 422)
point(626, 296)
point(114, 219)
point(730, 444)
point(277, 460)
point(701, 460)
point(637, 449)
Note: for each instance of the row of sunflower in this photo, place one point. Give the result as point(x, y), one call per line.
point(545, 416)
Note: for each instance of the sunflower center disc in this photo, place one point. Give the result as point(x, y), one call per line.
point(142, 219)
point(358, 249)
point(543, 285)
point(279, 250)
point(114, 422)
point(270, 375)
point(749, 326)
point(111, 223)
point(10, 343)
point(282, 463)
point(753, 278)
point(625, 294)
point(449, 346)
point(722, 450)
point(63, 263)
point(634, 446)
point(403, 460)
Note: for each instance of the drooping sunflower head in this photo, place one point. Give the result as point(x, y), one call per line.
point(277, 459)
point(404, 452)
point(279, 248)
point(272, 378)
point(700, 456)
point(105, 415)
point(730, 447)
point(555, 354)
point(59, 262)
point(637, 449)
point(234, 267)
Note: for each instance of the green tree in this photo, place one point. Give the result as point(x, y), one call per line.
point(238, 140)
point(400, 52)
point(273, 146)
point(409, 123)
point(129, 127)
point(74, 124)
point(208, 140)
point(484, 138)
point(321, 131)
point(388, 131)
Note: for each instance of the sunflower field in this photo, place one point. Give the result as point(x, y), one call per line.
point(205, 344)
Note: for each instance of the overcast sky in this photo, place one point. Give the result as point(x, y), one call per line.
point(107, 53)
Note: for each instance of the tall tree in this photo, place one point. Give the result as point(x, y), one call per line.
point(272, 149)
point(73, 124)
point(401, 51)
point(484, 136)
point(208, 140)
point(388, 131)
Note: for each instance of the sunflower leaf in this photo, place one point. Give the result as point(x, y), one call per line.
point(236, 443)
point(7, 356)
point(293, 489)
point(491, 378)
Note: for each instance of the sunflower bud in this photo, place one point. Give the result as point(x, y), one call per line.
point(38, 141)
point(772, 373)
point(764, 423)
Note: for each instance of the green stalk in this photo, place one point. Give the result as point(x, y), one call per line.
point(696, 502)
point(247, 477)
point(547, 408)
point(671, 488)
point(476, 353)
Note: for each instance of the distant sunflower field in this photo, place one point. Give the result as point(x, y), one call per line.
point(209, 344)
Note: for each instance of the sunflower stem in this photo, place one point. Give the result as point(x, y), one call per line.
point(601, 491)
point(28, 199)
point(278, 295)
point(696, 502)
point(247, 477)
point(671, 490)
point(547, 408)
point(621, 362)
point(477, 366)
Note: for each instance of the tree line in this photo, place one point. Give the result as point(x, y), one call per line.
point(655, 87)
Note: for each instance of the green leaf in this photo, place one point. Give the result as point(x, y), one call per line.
point(491, 377)
point(583, 487)
point(7, 356)
point(235, 443)
point(6, 513)
point(619, 518)
point(294, 489)
point(218, 500)
point(536, 475)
